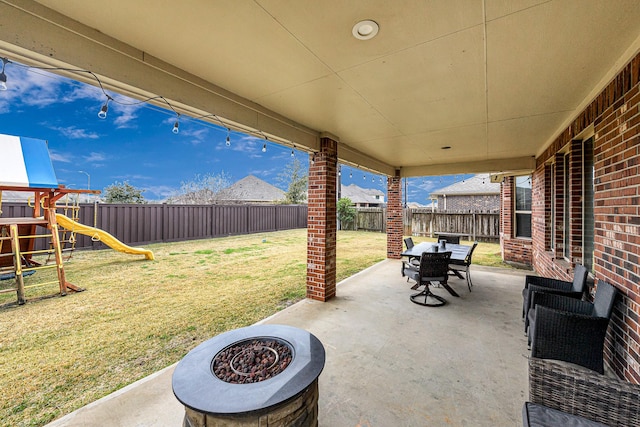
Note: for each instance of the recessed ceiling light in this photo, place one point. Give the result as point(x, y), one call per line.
point(365, 30)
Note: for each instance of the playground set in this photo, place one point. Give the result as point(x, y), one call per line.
point(25, 166)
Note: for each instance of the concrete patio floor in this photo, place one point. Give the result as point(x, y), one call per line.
point(388, 362)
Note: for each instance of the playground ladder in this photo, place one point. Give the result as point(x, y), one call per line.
point(18, 255)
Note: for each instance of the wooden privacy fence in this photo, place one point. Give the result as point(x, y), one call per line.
point(481, 226)
point(141, 224)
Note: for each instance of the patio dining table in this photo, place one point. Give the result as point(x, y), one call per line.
point(458, 253)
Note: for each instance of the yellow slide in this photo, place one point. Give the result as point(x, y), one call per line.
point(102, 236)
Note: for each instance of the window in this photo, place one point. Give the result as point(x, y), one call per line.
point(566, 210)
point(523, 206)
point(588, 223)
point(552, 220)
point(573, 210)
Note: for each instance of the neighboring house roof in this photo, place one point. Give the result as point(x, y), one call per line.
point(251, 189)
point(476, 185)
point(361, 195)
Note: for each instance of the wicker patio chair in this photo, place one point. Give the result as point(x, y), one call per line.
point(463, 266)
point(575, 391)
point(574, 289)
point(571, 330)
point(434, 267)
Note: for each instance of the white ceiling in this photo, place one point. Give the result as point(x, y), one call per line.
point(495, 80)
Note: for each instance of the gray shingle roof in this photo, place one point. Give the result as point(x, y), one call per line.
point(477, 184)
point(361, 195)
point(251, 189)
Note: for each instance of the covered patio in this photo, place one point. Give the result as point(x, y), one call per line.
point(389, 362)
point(548, 90)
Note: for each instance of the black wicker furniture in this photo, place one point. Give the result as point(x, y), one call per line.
point(456, 267)
point(571, 330)
point(577, 392)
point(574, 289)
point(434, 267)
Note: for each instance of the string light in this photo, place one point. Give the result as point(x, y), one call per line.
point(3, 76)
point(102, 114)
point(103, 111)
point(350, 174)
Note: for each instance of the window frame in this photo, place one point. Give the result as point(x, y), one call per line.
point(517, 212)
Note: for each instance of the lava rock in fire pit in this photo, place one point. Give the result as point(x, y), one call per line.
point(252, 361)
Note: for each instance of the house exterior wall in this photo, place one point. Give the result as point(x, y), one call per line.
point(466, 203)
point(615, 117)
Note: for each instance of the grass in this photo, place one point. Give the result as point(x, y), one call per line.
point(138, 316)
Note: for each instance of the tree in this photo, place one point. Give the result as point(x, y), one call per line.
point(123, 192)
point(346, 212)
point(295, 181)
point(202, 189)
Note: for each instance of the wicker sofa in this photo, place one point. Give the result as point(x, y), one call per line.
point(578, 396)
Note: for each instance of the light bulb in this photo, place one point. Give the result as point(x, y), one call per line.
point(292, 153)
point(373, 179)
point(228, 142)
point(175, 127)
point(364, 177)
point(350, 174)
point(3, 81)
point(264, 148)
point(103, 111)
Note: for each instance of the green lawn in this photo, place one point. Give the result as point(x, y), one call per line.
point(139, 316)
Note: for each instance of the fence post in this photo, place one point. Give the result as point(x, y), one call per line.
point(474, 226)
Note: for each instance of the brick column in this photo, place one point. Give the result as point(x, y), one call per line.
point(394, 217)
point(322, 222)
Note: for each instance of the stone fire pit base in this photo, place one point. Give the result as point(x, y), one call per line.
point(300, 411)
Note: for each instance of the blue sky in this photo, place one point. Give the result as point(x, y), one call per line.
point(135, 142)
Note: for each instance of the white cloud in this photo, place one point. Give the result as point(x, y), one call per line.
point(60, 157)
point(156, 192)
point(198, 136)
point(73, 132)
point(95, 157)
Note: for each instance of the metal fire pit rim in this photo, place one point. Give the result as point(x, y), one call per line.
point(198, 388)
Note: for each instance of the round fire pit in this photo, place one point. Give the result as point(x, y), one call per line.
point(259, 375)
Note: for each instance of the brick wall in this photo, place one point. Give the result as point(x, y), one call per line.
point(322, 222)
point(615, 117)
point(394, 217)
